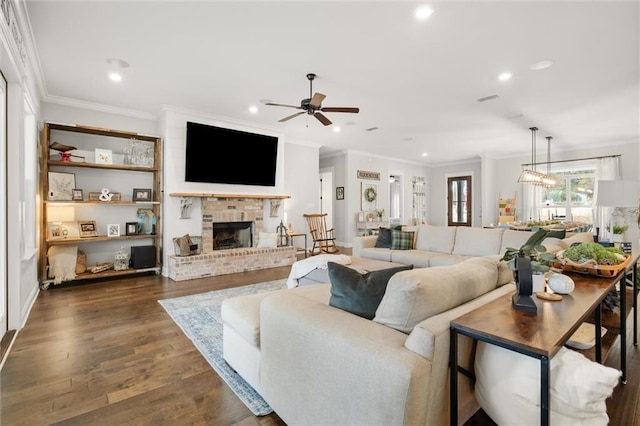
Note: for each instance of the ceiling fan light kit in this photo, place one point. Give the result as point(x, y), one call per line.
point(313, 106)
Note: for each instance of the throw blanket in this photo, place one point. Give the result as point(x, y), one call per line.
point(62, 263)
point(302, 267)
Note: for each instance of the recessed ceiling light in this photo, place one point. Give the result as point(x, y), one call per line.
point(119, 63)
point(505, 76)
point(424, 154)
point(542, 65)
point(253, 109)
point(114, 76)
point(423, 12)
point(336, 129)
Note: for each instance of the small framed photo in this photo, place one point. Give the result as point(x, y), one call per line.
point(87, 228)
point(103, 156)
point(115, 196)
point(55, 230)
point(61, 186)
point(77, 195)
point(340, 193)
point(131, 228)
point(141, 194)
point(94, 196)
point(113, 230)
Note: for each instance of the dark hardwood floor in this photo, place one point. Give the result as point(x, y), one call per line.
point(107, 353)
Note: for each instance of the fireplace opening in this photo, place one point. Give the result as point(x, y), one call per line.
point(230, 235)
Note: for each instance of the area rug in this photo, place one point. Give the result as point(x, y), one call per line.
point(199, 318)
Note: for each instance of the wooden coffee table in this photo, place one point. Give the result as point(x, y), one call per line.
point(539, 335)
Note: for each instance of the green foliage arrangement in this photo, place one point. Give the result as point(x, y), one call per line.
point(584, 252)
point(618, 229)
point(541, 259)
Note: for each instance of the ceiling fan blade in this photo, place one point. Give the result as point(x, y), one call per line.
point(282, 120)
point(324, 120)
point(288, 106)
point(317, 99)
point(341, 109)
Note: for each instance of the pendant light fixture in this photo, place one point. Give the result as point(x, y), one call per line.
point(532, 176)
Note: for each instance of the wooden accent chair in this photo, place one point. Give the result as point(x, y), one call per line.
point(323, 239)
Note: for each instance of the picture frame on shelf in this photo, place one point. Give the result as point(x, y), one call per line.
point(131, 228)
point(103, 156)
point(77, 194)
point(116, 196)
point(141, 194)
point(94, 196)
point(61, 186)
point(113, 230)
point(340, 193)
point(87, 228)
point(54, 231)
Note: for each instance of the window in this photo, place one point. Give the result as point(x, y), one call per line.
point(459, 201)
point(572, 198)
point(419, 200)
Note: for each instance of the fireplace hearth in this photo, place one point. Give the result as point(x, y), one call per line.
point(232, 235)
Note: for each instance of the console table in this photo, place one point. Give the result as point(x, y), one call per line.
point(539, 335)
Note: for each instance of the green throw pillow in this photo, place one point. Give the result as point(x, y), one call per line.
point(401, 240)
point(358, 293)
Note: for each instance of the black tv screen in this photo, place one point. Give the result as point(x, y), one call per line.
point(219, 155)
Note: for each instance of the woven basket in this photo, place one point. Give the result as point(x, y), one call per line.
point(590, 267)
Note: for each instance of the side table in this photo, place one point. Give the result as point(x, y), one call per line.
point(292, 235)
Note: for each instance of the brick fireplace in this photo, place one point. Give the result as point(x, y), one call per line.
point(234, 213)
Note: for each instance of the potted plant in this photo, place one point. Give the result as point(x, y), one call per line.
point(541, 259)
point(617, 232)
point(380, 213)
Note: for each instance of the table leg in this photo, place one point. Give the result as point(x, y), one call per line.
point(598, 331)
point(544, 391)
point(634, 280)
point(453, 378)
point(623, 329)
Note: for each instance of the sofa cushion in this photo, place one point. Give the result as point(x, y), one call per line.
point(417, 258)
point(513, 239)
point(436, 238)
point(416, 295)
point(578, 387)
point(477, 241)
point(359, 293)
point(384, 238)
point(401, 240)
point(376, 253)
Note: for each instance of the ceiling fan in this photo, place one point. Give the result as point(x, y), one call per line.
point(313, 105)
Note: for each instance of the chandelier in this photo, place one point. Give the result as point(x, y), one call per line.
point(532, 176)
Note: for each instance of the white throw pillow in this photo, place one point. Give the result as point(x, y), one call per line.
point(267, 240)
point(578, 387)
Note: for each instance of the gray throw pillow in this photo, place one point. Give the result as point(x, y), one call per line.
point(384, 238)
point(357, 293)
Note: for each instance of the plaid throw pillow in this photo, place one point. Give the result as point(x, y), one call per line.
point(401, 240)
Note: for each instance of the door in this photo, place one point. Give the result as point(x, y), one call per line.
point(326, 195)
point(459, 201)
point(3, 207)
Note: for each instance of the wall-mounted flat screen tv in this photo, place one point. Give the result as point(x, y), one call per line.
point(219, 155)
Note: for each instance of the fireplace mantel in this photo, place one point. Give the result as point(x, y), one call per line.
point(214, 195)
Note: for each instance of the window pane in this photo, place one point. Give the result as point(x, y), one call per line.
point(582, 191)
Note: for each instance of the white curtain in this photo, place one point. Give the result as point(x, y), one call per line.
point(607, 169)
point(531, 196)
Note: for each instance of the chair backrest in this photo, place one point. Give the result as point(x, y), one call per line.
point(317, 225)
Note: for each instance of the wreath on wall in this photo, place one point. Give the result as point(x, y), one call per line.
point(370, 194)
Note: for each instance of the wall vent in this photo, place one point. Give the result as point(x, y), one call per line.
point(488, 98)
point(371, 129)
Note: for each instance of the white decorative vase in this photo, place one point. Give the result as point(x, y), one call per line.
point(617, 238)
point(538, 283)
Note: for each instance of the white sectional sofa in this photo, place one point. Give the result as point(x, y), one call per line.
point(448, 245)
point(316, 364)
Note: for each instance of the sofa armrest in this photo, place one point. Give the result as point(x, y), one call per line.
point(359, 243)
point(322, 365)
point(423, 338)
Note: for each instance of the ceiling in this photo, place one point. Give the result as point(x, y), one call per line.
point(416, 82)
